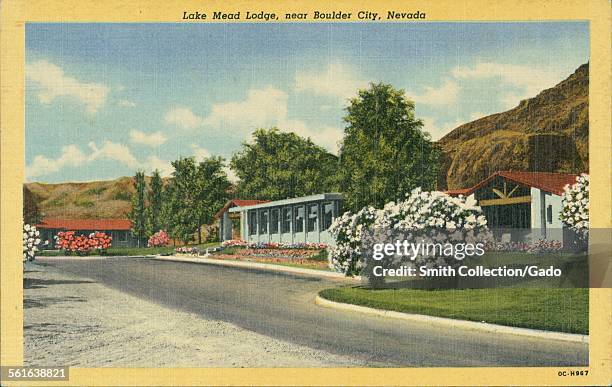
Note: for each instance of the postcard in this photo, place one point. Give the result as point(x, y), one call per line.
point(285, 193)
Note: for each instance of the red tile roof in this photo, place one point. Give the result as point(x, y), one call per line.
point(546, 181)
point(238, 203)
point(85, 224)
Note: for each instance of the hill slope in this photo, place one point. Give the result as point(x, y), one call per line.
point(501, 141)
point(91, 200)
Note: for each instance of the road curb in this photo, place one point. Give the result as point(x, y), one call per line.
point(449, 322)
point(259, 266)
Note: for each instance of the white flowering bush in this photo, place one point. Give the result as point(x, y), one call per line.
point(434, 215)
point(31, 241)
point(575, 205)
point(347, 231)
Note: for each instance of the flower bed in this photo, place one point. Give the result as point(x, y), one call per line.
point(274, 245)
point(305, 262)
point(69, 242)
point(284, 253)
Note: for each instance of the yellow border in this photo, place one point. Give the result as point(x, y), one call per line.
point(16, 12)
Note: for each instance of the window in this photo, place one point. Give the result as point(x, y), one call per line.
point(252, 215)
point(274, 217)
point(286, 222)
point(313, 210)
point(328, 215)
point(263, 222)
point(549, 214)
point(298, 219)
point(120, 236)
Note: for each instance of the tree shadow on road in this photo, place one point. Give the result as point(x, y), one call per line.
point(43, 302)
point(35, 283)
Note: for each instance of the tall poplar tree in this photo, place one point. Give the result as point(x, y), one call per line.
point(155, 199)
point(138, 212)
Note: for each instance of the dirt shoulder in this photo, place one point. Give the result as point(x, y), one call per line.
point(74, 321)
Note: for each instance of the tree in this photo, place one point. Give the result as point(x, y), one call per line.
point(138, 212)
point(384, 153)
point(194, 194)
point(31, 212)
point(154, 197)
point(279, 165)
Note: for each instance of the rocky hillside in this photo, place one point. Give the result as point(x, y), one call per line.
point(502, 141)
point(90, 200)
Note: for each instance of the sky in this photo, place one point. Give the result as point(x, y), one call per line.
point(105, 100)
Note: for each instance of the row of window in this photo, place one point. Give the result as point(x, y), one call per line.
point(312, 217)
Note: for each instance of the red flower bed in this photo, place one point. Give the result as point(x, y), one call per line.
point(82, 244)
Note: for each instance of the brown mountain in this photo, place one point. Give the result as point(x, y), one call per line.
point(109, 199)
point(549, 132)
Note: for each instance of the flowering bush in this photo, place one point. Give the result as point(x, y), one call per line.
point(575, 205)
point(187, 250)
point(439, 216)
point(274, 245)
point(82, 244)
point(159, 239)
point(541, 246)
point(30, 242)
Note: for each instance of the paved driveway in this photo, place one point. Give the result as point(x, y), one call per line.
point(282, 306)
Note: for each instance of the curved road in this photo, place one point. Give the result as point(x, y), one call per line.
point(282, 306)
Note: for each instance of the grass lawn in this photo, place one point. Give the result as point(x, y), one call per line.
point(562, 310)
point(134, 251)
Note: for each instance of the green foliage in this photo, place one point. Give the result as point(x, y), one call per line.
point(95, 191)
point(385, 153)
point(155, 199)
point(279, 165)
point(122, 195)
point(138, 213)
point(194, 195)
point(31, 211)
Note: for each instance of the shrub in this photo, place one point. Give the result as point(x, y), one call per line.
point(30, 242)
point(434, 215)
point(82, 244)
point(575, 206)
point(159, 239)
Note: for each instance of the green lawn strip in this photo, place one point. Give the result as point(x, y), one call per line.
point(561, 310)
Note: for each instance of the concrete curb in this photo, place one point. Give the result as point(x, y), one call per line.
point(258, 266)
point(452, 323)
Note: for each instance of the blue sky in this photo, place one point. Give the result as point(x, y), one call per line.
point(103, 100)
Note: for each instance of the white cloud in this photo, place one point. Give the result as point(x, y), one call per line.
point(149, 139)
point(113, 151)
point(444, 95)
point(153, 162)
point(530, 80)
point(337, 80)
point(183, 118)
point(52, 83)
point(438, 131)
point(262, 107)
point(126, 103)
point(71, 157)
point(199, 153)
point(231, 176)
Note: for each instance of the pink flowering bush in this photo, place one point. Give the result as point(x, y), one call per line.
point(159, 239)
point(82, 244)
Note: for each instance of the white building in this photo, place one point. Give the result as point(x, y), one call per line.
point(522, 205)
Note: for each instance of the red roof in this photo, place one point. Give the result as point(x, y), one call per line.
point(238, 203)
point(85, 224)
point(546, 181)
